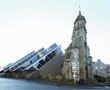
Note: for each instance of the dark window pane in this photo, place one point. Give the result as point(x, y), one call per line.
point(41, 62)
point(50, 56)
point(31, 62)
point(38, 56)
point(39, 66)
point(53, 53)
point(22, 67)
point(47, 59)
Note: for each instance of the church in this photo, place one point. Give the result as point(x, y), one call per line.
point(78, 62)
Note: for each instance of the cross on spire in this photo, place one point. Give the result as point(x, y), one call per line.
point(79, 10)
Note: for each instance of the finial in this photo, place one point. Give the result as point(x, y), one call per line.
point(79, 10)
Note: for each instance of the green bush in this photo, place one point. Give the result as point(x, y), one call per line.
point(100, 79)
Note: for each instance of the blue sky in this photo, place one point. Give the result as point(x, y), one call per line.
point(27, 25)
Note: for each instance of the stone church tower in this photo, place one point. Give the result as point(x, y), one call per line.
point(79, 60)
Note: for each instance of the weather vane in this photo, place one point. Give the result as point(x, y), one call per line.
point(79, 8)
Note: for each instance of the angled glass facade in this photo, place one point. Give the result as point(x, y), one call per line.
point(34, 59)
point(19, 63)
point(46, 55)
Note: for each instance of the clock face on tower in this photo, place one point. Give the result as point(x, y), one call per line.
point(75, 54)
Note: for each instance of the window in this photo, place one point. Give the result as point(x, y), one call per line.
point(53, 53)
point(50, 56)
point(31, 62)
point(85, 44)
point(42, 62)
point(39, 66)
point(47, 59)
point(38, 56)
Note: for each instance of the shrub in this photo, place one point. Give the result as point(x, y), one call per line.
point(100, 79)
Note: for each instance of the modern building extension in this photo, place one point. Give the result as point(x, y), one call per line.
point(45, 61)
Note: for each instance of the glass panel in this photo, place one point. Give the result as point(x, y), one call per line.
point(50, 56)
point(41, 62)
point(53, 53)
point(39, 66)
point(47, 59)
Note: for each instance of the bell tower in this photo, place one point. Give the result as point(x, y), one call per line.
point(79, 45)
point(78, 62)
